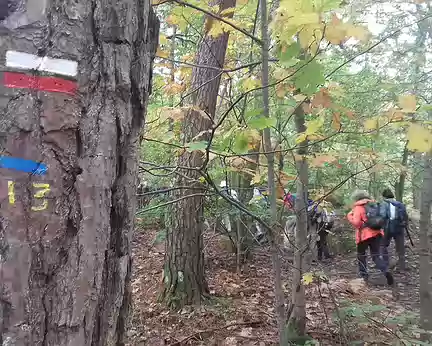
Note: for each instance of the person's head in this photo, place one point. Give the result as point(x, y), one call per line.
point(387, 193)
point(358, 195)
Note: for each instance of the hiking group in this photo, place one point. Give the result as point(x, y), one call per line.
point(376, 225)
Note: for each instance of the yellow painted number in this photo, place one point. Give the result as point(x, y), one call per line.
point(11, 192)
point(44, 189)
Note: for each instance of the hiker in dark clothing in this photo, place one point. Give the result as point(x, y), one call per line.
point(324, 222)
point(365, 218)
point(396, 222)
point(318, 217)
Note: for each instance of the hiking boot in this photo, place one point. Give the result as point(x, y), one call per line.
point(364, 277)
point(390, 279)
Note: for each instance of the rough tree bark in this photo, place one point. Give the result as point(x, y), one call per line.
point(297, 320)
point(184, 280)
point(65, 253)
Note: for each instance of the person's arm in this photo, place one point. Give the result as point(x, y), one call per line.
point(355, 217)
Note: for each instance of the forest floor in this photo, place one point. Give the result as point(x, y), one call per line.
point(241, 308)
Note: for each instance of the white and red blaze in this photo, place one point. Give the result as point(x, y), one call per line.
point(60, 73)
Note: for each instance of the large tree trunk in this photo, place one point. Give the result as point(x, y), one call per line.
point(184, 280)
point(65, 235)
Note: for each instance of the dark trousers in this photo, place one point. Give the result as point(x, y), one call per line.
point(399, 239)
point(374, 247)
point(322, 245)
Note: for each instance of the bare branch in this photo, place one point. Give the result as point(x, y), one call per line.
point(215, 16)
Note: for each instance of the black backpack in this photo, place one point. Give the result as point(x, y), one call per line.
point(375, 218)
point(398, 222)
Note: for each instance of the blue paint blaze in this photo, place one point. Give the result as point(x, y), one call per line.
point(22, 165)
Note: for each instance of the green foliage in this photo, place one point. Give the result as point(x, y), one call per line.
point(404, 325)
point(309, 78)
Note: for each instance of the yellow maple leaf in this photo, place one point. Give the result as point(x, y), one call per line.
point(250, 84)
point(407, 103)
point(419, 138)
point(280, 91)
point(335, 31)
point(371, 124)
point(161, 53)
point(162, 39)
point(217, 29)
point(304, 19)
point(172, 20)
point(312, 126)
point(254, 138)
point(307, 37)
point(395, 115)
point(301, 137)
point(256, 178)
point(307, 278)
point(315, 137)
point(359, 32)
point(228, 11)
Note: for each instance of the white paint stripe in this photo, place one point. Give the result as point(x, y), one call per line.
point(27, 61)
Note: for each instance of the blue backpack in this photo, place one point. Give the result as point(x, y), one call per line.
point(397, 217)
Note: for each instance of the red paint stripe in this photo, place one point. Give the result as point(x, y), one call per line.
point(53, 84)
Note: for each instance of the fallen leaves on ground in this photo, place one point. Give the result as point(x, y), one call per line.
point(241, 308)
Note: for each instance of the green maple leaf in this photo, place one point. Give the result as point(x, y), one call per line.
point(309, 78)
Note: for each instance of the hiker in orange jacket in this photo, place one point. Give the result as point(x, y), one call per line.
point(367, 237)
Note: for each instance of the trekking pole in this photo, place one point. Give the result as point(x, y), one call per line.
point(409, 236)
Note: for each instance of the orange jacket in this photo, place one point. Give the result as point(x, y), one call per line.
point(357, 217)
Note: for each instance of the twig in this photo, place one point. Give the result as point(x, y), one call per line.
point(172, 202)
point(209, 67)
point(212, 330)
point(215, 16)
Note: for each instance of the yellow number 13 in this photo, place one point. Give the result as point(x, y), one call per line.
point(39, 195)
point(44, 189)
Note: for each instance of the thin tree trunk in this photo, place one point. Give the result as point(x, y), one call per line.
point(184, 280)
point(425, 249)
point(172, 74)
point(65, 236)
point(400, 185)
point(417, 178)
point(276, 262)
point(298, 318)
